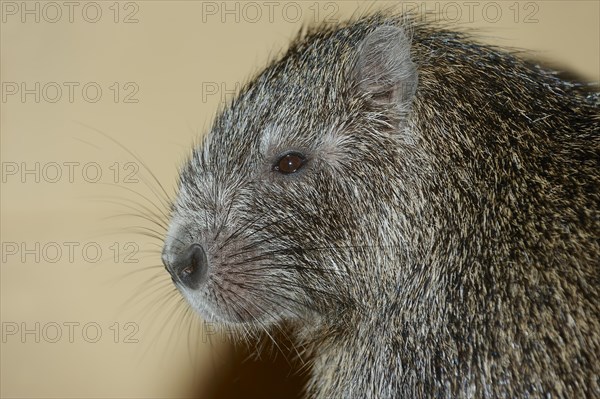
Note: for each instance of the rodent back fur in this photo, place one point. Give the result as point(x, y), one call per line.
point(442, 239)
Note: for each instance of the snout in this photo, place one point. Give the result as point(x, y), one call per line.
point(188, 267)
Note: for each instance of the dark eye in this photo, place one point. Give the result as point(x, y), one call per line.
point(289, 163)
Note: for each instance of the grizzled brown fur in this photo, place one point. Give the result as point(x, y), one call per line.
point(442, 238)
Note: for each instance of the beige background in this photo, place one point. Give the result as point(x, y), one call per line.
point(181, 57)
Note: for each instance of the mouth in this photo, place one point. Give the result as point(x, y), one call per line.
point(225, 296)
point(230, 305)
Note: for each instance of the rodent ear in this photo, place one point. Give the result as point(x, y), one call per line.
point(384, 69)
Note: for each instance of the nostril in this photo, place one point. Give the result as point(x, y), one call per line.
point(191, 266)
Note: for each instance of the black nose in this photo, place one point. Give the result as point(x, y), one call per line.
point(190, 266)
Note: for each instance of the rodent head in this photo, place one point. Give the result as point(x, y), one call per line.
point(282, 211)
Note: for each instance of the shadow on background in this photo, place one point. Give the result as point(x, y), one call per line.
point(276, 374)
